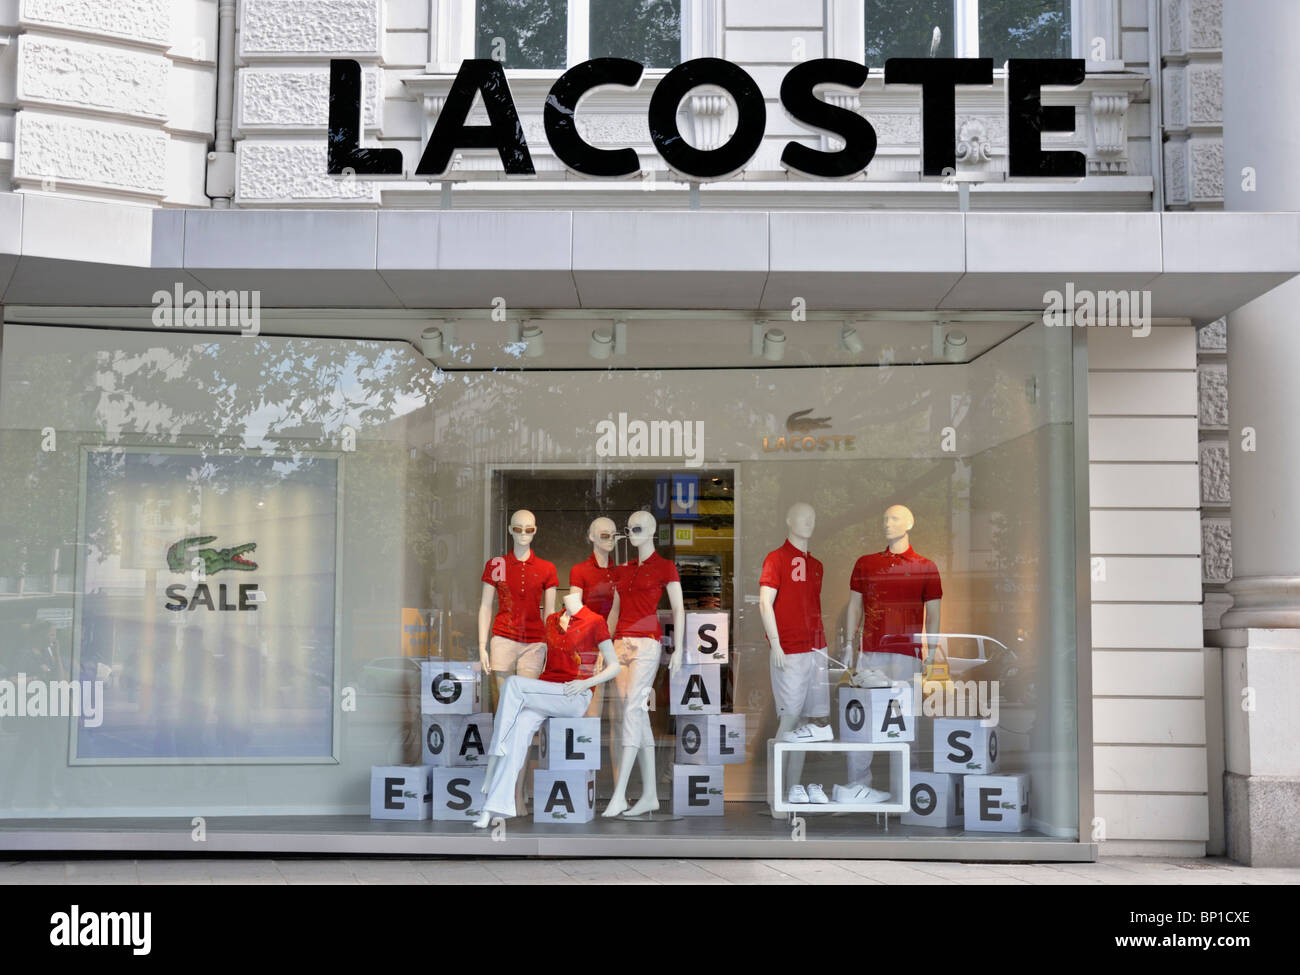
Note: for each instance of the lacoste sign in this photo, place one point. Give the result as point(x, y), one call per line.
point(937, 78)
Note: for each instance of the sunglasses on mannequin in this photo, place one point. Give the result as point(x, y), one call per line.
point(606, 536)
point(523, 529)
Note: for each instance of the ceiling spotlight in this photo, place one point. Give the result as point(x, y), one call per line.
point(850, 341)
point(954, 346)
point(431, 342)
point(774, 345)
point(601, 345)
point(534, 346)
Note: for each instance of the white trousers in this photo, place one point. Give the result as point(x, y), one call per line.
point(896, 666)
point(632, 698)
point(525, 704)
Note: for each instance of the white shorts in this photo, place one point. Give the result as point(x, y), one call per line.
point(794, 688)
point(511, 657)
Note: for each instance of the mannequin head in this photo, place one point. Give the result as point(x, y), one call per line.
point(601, 534)
point(801, 519)
point(572, 603)
point(523, 528)
point(641, 529)
point(898, 522)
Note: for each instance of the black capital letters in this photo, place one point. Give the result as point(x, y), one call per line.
point(393, 793)
point(893, 716)
point(559, 796)
point(695, 688)
point(562, 108)
point(504, 132)
point(458, 787)
point(1028, 118)
point(344, 141)
point(989, 805)
point(855, 716)
point(696, 786)
point(571, 753)
point(938, 78)
point(806, 108)
point(708, 642)
point(963, 751)
point(707, 164)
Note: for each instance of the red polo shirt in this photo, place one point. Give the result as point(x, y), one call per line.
point(596, 583)
point(520, 587)
point(571, 653)
point(640, 587)
point(797, 578)
point(894, 591)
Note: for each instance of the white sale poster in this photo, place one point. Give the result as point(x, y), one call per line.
point(206, 602)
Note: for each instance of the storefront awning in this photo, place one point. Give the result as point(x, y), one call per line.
point(63, 252)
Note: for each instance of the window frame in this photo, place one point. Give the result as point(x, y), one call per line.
point(455, 32)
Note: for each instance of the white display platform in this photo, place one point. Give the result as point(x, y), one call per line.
point(900, 776)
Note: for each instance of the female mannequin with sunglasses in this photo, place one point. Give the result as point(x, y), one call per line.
point(592, 581)
point(634, 621)
point(514, 641)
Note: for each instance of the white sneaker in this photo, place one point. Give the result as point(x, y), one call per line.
point(858, 793)
point(798, 794)
point(817, 795)
point(809, 732)
point(871, 677)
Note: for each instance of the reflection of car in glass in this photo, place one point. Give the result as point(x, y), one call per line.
point(389, 675)
point(953, 648)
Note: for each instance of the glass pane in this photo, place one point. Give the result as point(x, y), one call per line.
point(648, 31)
point(524, 33)
point(905, 29)
point(1024, 29)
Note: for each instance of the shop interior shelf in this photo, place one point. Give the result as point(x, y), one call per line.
point(900, 777)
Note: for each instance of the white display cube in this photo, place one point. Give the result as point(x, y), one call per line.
point(570, 744)
point(935, 799)
point(696, 689)
point(997, 803)
point(707, 638)
point(876, 714)
point(564, 796)
point(711, 739)
point(697, 790)
point(450, 687)
point(965, 746)
point(399, 791)
point(455, 740)
point(457, 793)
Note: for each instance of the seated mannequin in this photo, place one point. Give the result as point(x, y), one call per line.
point(563, 690)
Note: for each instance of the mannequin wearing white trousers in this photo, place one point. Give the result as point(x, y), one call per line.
point(602, 535)
point(523, 705)
point(880, 668)
point(632, 690)
point(800, 521)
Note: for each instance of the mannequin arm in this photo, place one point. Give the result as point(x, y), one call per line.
point(612, 620)
point(548, 601)
point(853, 620)
point(608, 672)
point(767, 613)
point(931, 627)
point(576, 591)
point(485, 614)
point(679, 625)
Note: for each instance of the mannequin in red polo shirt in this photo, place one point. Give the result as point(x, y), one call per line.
point(894, 596)
point(634, 619)
point(514, 640)
point(574, 641)
point(593, 583)
point(790, 606)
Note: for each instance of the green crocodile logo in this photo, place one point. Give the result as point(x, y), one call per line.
point(977, 766)
point(410, 795)
point(697, 707)
point(715, 792)
point(1008, 805)
point(894, 734)
point(181, 555)
point(584, 739)
point(559, 815)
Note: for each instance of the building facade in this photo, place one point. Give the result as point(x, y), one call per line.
point(423, 355)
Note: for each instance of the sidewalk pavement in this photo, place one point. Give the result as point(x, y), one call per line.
point(238, 870)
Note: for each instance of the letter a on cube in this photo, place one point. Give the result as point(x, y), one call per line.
point(696, 689)
point(876, 714)
point(564, 796)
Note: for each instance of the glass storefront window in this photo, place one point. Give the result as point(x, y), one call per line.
point(997, 29)
point(539, 34)
point(1024, 29)
point(906, 30)
point(291, 556)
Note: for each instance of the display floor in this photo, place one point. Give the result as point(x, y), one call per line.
point(747, 830)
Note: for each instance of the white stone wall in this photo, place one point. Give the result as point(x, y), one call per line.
point(1149, 686)
point(109, 100)
point(1192, 82)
